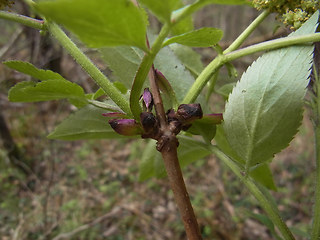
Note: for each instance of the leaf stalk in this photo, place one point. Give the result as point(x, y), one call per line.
point(207, 73)
point(143, 70)
point(89, 67)
point(27, 21)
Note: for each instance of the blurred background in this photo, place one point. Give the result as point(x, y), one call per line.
point(89, 190)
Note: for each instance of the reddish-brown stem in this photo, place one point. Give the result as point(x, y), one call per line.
point(181, 196)
point(169, 143)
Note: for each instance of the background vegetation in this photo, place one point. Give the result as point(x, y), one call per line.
point(90, 190)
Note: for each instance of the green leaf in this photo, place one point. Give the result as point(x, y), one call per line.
point(224, 145)
point(29, 69)
point(206, 130)
point(86, 123)
point(146, 165)
point(189, 151)
point(123, 61)
point(189, 58)
point(203, 37)
point(121, 87)
point(162, 9)
point(264, 110)
point(99, 22)
point(108, 105)
point(29, 91)
point(263, 175)
point(97, 94)
point(225, 90)
point(174, 71)
point(260, 173)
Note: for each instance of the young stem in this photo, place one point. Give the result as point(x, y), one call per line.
point(181, 196)
point(89, 67)
point(273, 44)
point(143, 70)
point(207, 73)
point(245, 34)
point(272, 212)
point(172, 166)
point(315, 233)
point(27, 21)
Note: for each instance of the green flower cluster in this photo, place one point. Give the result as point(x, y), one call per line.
point(291, 12)
point(5, 3)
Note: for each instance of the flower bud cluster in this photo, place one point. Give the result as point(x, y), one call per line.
point(291, 12)
point(149, 126)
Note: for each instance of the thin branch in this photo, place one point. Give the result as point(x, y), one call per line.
point(181, 196)
point(167, 145)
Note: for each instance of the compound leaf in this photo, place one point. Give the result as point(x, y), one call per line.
point(264, 109)
point(99, 23)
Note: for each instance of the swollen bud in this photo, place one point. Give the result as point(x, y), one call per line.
point(126, 127)
point(147, 99)
point(149, 124)
point(187, 113)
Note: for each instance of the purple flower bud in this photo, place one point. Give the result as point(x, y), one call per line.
point(187, 113)
point(147, 99)
point(114, 114)
point(126, 127)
